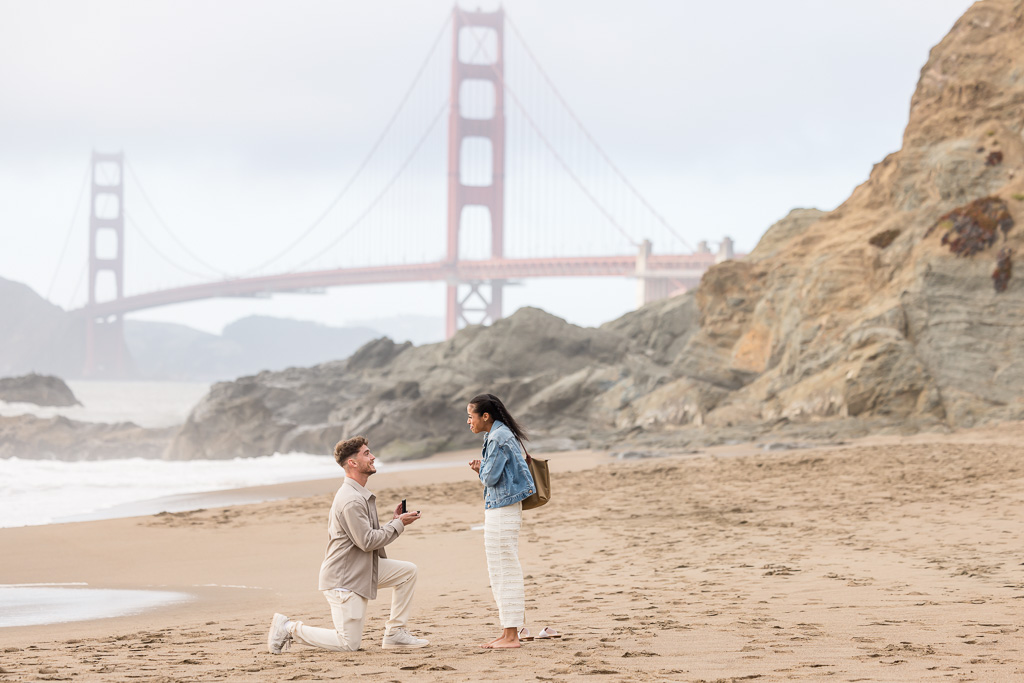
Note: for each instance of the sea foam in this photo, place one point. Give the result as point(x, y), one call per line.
point(41, 491)
point(34, 604)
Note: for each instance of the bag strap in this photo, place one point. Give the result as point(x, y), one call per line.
point(525, 452)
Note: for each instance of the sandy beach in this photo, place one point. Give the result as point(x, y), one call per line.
point(895, 559)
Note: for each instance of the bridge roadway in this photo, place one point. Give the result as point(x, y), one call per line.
point(687, 267)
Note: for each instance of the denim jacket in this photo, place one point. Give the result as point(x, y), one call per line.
point(503, 470)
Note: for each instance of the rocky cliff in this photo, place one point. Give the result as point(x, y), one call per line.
point(877, 309)
point(899, 310)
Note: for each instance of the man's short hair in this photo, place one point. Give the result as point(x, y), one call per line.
point(343, 450)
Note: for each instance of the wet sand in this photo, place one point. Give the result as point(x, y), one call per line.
point(882, 560)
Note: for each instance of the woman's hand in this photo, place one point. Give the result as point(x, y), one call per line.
point(475, 465)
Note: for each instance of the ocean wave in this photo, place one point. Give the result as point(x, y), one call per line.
point(41, 491)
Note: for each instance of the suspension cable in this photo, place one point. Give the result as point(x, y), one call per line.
point(167, 259)
point(78, 286)
point(163, 224)
point(377, 199)
point(558, 157)
point(590, 138)
point(381, 194)
point(366, 159)
point(67, 236)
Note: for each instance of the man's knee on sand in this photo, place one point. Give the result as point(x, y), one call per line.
point(349, 647)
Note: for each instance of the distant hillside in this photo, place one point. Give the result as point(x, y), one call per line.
point(37, 336)
point(418, 329)
point(246, 347)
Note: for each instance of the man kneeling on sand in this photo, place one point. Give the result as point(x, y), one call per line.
point(355, 565)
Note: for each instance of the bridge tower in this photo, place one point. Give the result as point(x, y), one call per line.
point(105, 352)
point(481, 300)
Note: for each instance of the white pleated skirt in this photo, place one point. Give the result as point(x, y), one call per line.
point(501, 544)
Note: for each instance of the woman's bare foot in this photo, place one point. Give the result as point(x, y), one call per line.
point(509, 638)
point(501, 644)
point(492, 642)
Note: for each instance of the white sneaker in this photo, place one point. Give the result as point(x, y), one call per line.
point(402, 639)
point(278, 639)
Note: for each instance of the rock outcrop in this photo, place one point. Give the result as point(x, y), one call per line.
point(58, 438)
point(411, 398)
point(42, 390)
point(864, 318)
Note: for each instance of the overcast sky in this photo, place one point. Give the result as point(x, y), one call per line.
point(244, 119)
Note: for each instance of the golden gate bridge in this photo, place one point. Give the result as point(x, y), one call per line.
point(492, 135)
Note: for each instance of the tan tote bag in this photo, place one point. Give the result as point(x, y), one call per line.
point(541, 482)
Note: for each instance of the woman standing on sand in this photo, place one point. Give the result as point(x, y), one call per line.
point(507, 481)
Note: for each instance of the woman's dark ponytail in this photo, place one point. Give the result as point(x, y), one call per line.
point(489, 403)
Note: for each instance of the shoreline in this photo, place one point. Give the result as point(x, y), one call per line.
point(247, 495)
point(71, 488)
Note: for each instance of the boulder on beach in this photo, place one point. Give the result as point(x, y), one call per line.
point(42, 390)
point(57, 438)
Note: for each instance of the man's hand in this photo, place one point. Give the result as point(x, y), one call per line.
point(409, 517)
point(475, 465)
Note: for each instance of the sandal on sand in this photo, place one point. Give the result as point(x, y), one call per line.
point(548, 632)
point(524, 634)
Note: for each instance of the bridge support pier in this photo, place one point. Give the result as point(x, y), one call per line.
point(106, 355)
point(105, 352)
point(648, 286)
point(654, 285)
point(488, 69)
point(473, 303)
